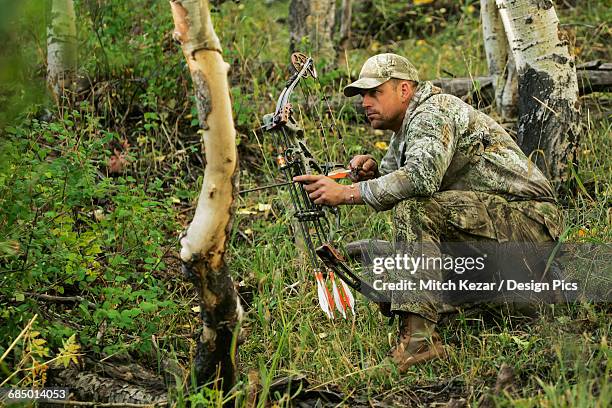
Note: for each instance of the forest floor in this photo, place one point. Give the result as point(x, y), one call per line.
point(95, 194)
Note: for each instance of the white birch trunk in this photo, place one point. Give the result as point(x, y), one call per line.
point(61, 47)
point(499, 61)
point(204, 244)
point(548, 88)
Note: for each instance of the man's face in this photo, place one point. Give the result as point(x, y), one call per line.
point(386, 104)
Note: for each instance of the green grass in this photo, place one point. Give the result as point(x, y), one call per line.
point(69, 229)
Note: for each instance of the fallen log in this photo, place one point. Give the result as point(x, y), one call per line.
point(116, 381)
point(593, 76)
point(93, 387)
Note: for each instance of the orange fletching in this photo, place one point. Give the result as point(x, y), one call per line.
point(339, 174)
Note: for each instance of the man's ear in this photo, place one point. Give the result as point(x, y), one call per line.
point(406, 90)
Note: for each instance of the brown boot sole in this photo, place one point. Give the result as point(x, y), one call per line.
point(430, 352)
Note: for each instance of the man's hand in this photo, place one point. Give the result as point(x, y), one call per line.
point(325, 191)
point(363, 167)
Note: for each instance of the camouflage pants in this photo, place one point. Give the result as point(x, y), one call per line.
point(465, 216)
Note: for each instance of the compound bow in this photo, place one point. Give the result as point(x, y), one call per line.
point(295, 159)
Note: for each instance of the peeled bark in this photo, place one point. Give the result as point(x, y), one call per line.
point(548, 87)
point(313, 19)
point(61, 48)
point(499, 61)
point(204, 243)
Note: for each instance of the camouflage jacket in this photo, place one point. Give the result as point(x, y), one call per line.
point(445, 144)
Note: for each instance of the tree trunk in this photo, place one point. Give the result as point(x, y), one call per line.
point(61, 48)
point(548, 88)
point(204, 243)
point(312, 20)
point(499, 60)
point(345, 31)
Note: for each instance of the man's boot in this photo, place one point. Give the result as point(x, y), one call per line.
point(418, 342)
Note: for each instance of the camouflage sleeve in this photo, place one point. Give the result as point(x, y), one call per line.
point(389, 160)
point(431, 139)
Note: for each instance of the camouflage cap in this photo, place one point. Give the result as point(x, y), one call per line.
point(379, 69)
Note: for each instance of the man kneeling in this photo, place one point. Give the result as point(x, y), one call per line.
point(451, 174)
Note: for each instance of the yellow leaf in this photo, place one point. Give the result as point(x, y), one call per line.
point(422, 2)
point(38, 342)
point(71, 342)
point(69, 352)
point(196, 309)
point(63, 360)
point(381, 145)
point(470, 9)
point(245, 211)
point(421, 42)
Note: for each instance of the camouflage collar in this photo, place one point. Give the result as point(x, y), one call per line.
point(423, 91)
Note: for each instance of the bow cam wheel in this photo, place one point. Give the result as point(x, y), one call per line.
point(298, 60)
